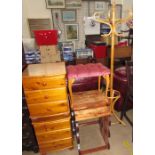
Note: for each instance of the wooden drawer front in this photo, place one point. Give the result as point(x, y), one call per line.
point(44, 82)
point(48, 108)
point(53, 136)
point(56, 145)
point(52, 126)
point(47, 95)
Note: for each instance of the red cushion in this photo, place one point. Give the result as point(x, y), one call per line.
point(88, 70)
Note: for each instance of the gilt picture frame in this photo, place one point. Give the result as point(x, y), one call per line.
point(73, 4)
point(55, 4)
point(71, 32)
point(68, 15)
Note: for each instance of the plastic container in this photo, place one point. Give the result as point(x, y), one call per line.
point(46, 37)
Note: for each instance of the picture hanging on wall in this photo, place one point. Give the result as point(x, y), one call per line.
point(68, 15)
point(71, 31)
point(99, 6)
point(73, 4)
point(55, 4)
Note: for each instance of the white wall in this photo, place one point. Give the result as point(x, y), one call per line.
point(33, 9)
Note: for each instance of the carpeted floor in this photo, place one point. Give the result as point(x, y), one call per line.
point(120, 140)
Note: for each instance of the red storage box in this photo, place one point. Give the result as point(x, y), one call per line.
point(46, 37)
point(100, 51)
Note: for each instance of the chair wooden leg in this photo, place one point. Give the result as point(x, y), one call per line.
point(105, 130)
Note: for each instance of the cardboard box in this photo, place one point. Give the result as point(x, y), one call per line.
point(51, 58)
point(52, 49)
point(49, 54)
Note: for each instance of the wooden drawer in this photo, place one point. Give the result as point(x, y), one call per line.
point(48, 108)
point(56, 145)
point(46, 95)
point(36, 83)
point(53, 135)
point(52, 125)
point(50, 118)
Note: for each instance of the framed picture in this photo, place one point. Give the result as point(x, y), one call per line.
point(99, 6)
point(68, 15)
point(73, 4)
point(55, 4)
point(118, 11)
point(71, 31)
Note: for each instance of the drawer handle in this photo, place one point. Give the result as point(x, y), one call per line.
point(44, 84)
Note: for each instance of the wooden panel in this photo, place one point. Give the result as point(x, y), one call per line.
point(90, 104)
point(44, 82)
point(56, 145)
point(92, 113)
point(89, 99)
point(48, 108)
point(53, 135)
point(46, 95)
point(52, 126)
point(50, 118)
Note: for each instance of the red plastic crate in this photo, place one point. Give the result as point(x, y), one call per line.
point(100, 51)
point(46, 37)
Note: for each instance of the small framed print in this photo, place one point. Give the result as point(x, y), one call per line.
point(71, 31)
point(99, 6)
point(68, 15)
point(55, 4)
point(70, 4)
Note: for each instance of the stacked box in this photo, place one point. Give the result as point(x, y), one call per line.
point(49, 53)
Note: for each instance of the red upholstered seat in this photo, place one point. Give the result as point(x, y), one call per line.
point(88, 70)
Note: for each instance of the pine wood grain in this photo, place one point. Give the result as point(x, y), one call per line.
point(46, 95)
point(53, 135)
point(48, 108)
point(37, 83)
point(56, 145)
point(52, 125)
point(89, 99)
point(90, 104)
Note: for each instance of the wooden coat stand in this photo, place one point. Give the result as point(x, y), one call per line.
point(112, 22)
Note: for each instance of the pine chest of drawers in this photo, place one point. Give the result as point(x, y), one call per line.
point(46, 95)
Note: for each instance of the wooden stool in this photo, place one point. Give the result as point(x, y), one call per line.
point(90, 104)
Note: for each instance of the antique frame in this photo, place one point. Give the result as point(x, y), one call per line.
point(99, 5)
point(55, 4)
point(68, 15)
point(73, 4)
point(71, 32)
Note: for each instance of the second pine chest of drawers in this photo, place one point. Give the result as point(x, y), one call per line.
point(46, 96)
